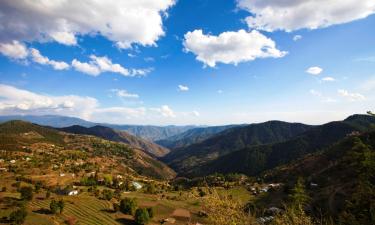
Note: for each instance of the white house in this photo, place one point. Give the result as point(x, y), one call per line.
point(137, 185)
point(12, 161)
point(74, 192)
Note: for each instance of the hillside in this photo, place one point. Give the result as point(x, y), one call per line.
point(119, 136)
point(187, 158)
point(150, 133)
point(256, 159)
point(24, 137)
point(339, 173)
point(192, 136)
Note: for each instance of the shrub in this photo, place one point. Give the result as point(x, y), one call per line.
point(18, 216)
point(61, 205)
point(54, 207)
point(128, 206)
point(141, 216)
point(150, 211)
point(26, 193)
point(107, 194)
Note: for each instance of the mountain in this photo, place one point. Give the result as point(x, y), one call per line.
point(49, 120)
point(151, 133)
point(230, 140)
point(119, 136)
point(339, 173)
point(192, 136)
point(21, 136)
point(148, 132)
point(255, 159)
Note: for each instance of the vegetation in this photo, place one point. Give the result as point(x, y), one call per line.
point(18, 216)
point(128, 206)
point(141, 216)
point(26, 193)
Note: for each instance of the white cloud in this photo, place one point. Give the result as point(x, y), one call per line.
point(289, 15)
point(98, 65)
point(297, 37)
point(183, 87)
point(196, 113)
point(18, 101)
point(230, 47)
point(351, 96)
point(369, 84)
point(15, 101)
point(314, 70)
point(106, 65)
point(165, 111)
point(123, 22)
point(328, 79)
point(87, 68)
point(38, 58)
point(124, 93)
point(14, 49)
point(322, 98)
point(220, 91)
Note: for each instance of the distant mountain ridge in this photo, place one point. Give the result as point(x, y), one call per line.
point(149, 132)
point(119, 136)
point(231, 140)
point(255, 159)
point(193, 136)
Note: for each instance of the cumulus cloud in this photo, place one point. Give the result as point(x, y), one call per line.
point(183, 87)
point(123, 22)
point(124, 93)
point(289, 15)
point(351, 96)
point(328, 79)
point(320, 96)
point(230, 47)
point(314, 70)
point(14, 49)
point(19, 101)
point(98, 65)
point(39, 58)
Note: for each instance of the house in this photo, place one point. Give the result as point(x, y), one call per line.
point(12, 161)
point(119, 177)
point(62, 174)
point(1, 160)
point(313, 185)
point(73, 192)
point(136, 185)
point(3, 169)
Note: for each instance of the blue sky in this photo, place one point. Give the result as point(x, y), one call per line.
point(188, 62)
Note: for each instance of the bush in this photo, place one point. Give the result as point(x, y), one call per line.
point(141, 216)
point(128, 206)
point(61, 205)
point(107, 194)
point(19, 216)
point(54, 207)
point(150, 211)
point(26, 193)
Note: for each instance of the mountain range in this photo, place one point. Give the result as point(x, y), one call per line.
point(258, 147)
point(151, 133)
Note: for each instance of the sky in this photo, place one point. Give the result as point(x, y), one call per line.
point(203, 62)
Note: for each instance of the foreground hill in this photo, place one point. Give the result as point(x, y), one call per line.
point(338, 177)
point(253, 160)
point(119, 136)
point(187, 158)
point(192, 136)
point(24, 137)
point(151, 133)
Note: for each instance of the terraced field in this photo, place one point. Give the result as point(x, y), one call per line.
point(85, 209)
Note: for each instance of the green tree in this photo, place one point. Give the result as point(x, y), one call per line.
point(128, 206)
point(54, 207)
point(26, 193)
point(48, 194)
point(107, 194)
point(150, 211)
point(18, 216)
point(299, 198)
point(61, 205)
point(141, 216)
